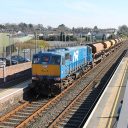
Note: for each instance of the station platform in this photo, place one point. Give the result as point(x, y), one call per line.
point(123, 116)
point(103, 115)
point(9, 97)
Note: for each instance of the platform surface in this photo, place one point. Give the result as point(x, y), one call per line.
point(123, 117)
point(101, 116)
point(11, 96)
point(8, 92)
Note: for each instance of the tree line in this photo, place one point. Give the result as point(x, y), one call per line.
point(123, 30)
point(31, 28)
point(26, 28)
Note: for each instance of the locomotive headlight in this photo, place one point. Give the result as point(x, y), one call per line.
point(35, 78)
point(57, 79)
point(44, 66)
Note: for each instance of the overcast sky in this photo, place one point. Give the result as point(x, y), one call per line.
point(77, 13)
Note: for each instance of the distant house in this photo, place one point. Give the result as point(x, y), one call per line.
point(20, 34)
point(100, 36)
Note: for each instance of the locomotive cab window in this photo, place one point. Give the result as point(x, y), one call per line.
point(55, 60)
point(67, 56)
point(89, 50)
point(63, 61)
point(45, 59)
point(36, 60)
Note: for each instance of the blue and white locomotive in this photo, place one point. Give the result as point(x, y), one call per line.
point(57, 68)
point(53, 70)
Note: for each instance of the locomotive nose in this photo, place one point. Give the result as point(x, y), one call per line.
point(47, 70)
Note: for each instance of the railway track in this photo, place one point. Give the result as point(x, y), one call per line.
point(50, 110)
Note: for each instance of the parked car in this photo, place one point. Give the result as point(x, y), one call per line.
point(2, 63)
point(7, 61)
point(19, 59)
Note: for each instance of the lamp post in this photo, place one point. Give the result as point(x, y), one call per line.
point(65, 36)
point(4, 73)
point(80, 38)
point(35, 42)
point(62, 36)
point(36, 39)
point(9, 36)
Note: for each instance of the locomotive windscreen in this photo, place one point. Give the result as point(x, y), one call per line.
point(46, 59)
point(41, 59)
point(55, 60)
point(36, 59)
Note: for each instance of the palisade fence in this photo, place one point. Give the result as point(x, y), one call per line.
point(27, 52)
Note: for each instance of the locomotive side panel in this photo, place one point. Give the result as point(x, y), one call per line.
point(78, 57)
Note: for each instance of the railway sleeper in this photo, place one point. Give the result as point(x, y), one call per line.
point(65, 120)
point(71, 81)
point(32, 107)
point(28, 110)
point(65, 125)
point(72, 120)
point(80, 102)
point(62, 123)
point(9, 123)
point(76, 117)
point(77, 107)
point(15, 119)
point(34, 102)
point(37, 105)
point(23, 113)
point(78, 112)
point(85, 105)
point(64, 81)
point(46, 109)
point(40, 114)
point(20, 116)
point(2, 126)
